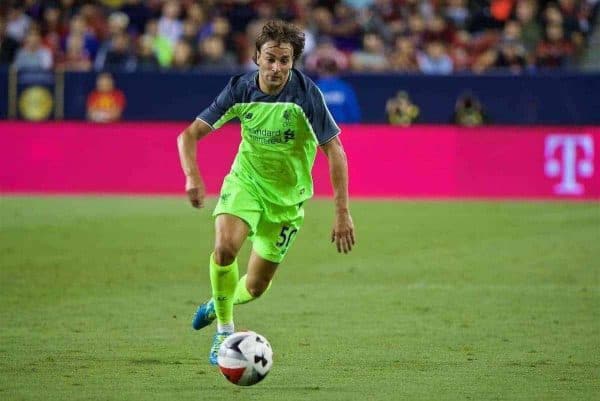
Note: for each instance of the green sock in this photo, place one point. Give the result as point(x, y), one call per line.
point(223, 280)
point(242, 295)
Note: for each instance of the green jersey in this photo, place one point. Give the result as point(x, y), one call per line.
point(280, 134)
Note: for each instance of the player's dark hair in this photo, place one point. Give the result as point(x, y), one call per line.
point(281, 32)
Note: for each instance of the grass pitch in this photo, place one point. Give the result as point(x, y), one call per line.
point(439, 301)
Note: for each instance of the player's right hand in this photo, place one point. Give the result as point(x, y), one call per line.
point(195, 191)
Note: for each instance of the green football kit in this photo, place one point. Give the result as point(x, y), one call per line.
point(269, 180)
point(271, 175)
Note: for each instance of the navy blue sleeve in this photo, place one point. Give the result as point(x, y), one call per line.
point(319, 117)
point(221, 109)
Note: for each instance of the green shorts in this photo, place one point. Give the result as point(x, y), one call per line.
point(273, 228)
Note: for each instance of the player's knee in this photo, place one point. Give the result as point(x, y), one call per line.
point(224, 254)
point(257, 288)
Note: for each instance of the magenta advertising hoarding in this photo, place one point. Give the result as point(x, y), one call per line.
point(422, 161)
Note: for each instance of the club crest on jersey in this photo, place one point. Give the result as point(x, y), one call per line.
point(287, 118)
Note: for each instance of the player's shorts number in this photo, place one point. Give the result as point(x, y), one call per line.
point(285, 236)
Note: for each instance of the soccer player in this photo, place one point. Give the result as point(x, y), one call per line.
point(284, 119)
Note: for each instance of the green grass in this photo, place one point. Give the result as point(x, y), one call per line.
point(439, 301)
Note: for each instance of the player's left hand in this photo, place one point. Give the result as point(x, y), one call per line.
point(343, 232)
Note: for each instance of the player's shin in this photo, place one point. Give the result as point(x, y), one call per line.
point(223, 281)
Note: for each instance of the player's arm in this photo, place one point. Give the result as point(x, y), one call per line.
point(343, 228)
point(187, 144)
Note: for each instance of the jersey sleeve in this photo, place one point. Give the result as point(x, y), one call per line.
point(319, 117)
point(221, 109)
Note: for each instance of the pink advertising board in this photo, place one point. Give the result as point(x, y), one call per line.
point(384, 161)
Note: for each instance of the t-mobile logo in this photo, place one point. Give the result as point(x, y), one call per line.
point(569, 157)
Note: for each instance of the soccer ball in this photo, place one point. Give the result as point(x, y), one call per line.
point(245, 358)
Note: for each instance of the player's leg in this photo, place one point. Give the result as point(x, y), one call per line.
point(237, 215)
point(230, 234)
point(257, 279)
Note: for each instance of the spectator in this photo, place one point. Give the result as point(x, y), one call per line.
point(169, 25)
point(437, 30)
point(78, 27)
point(468, 111)
point(163, 48)
point(339, 95)
point(457, 13)
point(512, 53)
point(190, 33)
point(196, 14)
point(183, 57)
point(372, 21)
point(404, 56)
point(372, 57)
point(33, 55)
point(119, 56)
point(416, 29)
point(570, 12)
point(219, 27)
point(326, 49)
point(322, 21)
point(555, 50)
point(435, 60)
point(531, 31)
point(461, 50)
point(474, 33)
point(214, 56)
point(146, 58)
point(53, 31)
point(95, 19)
point(345, 30)
point(401, 110)
point(8, 45)
point(117, 35)
point(18, 23)
point(512, 56)
point(76, 57)
point(106, 103)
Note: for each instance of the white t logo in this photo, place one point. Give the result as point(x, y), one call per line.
point(571, 165)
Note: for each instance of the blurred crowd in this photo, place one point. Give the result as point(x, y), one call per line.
point(404, 36)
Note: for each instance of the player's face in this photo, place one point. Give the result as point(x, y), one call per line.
point(274, 63)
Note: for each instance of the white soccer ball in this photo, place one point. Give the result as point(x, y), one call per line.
point(245, 358)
